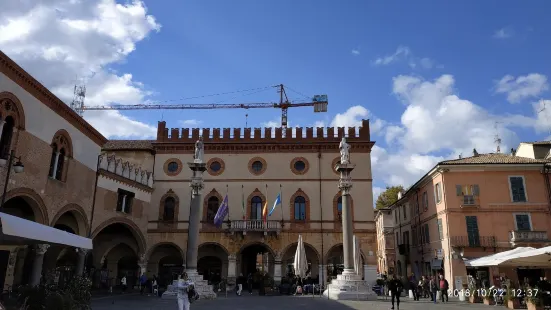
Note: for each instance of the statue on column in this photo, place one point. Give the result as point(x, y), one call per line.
point(345, 151)
point(199, 151)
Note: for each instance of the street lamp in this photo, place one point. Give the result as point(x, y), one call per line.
point(18, 167)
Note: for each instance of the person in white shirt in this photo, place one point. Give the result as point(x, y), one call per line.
point(123, 284)
point(184, 284)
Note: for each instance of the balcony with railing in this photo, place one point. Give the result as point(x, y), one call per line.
point(473, 241)
point(469, 201)
point(245, 226)
point(517, 236)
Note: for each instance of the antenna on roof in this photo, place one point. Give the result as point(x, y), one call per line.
point(543, 104)
point(497, 139)
point(79, 94)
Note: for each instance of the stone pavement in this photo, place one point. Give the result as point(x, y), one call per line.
point(254, 302)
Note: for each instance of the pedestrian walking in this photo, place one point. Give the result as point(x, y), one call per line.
point(250, 283)
point(184, 288)
point(143, 283)
point(413, 287)
point(123, 284)
point(395, 287)
point(444, 286)
point(433, 288)
point(240, 281)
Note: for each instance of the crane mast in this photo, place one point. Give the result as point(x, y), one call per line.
point(319, 102)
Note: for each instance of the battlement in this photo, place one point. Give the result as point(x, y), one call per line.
point(264, 135)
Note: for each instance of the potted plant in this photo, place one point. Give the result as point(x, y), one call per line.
point(474, 298)
point(534, 302)
point(489, 300)
point(510, 301)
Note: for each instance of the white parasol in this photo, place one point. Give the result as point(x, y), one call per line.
point(300, 264)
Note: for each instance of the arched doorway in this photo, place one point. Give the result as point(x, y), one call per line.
point(312, 257)
point(166, 262)
point(212, 262)
point(115, 255)
point(255, 259)
point(26, 208)
point(335, 262)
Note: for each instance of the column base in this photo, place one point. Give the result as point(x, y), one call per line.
point(349, 287)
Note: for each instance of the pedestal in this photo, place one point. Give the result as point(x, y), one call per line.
point(202, 288)
point(349, 287)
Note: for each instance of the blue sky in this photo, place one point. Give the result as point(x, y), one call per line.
point(436, 78)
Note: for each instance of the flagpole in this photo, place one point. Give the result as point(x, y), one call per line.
point(243, 201)
point(281, 207)
point(229, 219)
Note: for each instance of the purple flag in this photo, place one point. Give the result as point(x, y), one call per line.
point(221, 213)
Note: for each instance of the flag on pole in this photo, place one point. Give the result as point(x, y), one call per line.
point(276, 202)
point(222, 212)
point(243, 202)
point(265, 208)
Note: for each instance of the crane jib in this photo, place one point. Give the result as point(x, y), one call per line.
point(321, 106)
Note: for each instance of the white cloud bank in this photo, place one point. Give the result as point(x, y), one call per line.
point(57, 41)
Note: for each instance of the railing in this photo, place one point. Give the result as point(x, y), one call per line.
point(469, 200)
point(527, 236)
point(255, 225)
point(473, 241)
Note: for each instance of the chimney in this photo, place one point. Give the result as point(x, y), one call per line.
point(513, 152)
point(475, 153)
point(460, 156)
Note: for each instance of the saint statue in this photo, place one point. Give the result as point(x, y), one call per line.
point(199, 151)
point(345, 153)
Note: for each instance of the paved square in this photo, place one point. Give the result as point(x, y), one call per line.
point(137, 302)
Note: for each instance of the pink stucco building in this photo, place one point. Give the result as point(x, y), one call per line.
point(468, 208)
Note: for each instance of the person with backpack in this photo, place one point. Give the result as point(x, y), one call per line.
point(433, 288)
point(395, 287)
point(186, 292)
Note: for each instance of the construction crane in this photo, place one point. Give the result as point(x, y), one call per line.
point(319, 102)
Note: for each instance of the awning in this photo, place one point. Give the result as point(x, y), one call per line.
point(18, 231)
point(534, 258)
point(495, 259)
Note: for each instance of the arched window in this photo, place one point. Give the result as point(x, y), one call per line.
point(61, 149)
point(6, 137)
point(212, 207)
point(169, 209)
point(300, 208)
point(256, 208)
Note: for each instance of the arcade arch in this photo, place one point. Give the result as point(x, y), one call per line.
point(165, 260)
point(255, 257)
point(335, 261)
point(212, 262)
point(288, 257)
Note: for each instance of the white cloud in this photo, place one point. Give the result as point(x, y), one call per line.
point(503, 33)
point(59, 40)
point(190, 122)
point(403, 53)
point(522, 87)
point(353, 118)
point(436, 125)
point(355, 52)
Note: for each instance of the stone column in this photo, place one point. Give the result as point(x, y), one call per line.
point(197, 185)
point(81, 261)
point(40, 250)
point(2, 122)
point(232, 266)
point(322, 275)
point(142, 263)
point(18, 273)
point(345, 185)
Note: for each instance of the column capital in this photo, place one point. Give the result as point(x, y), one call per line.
point(232, 257)
point(81, 251)
point(41, 248)
point(142, 259)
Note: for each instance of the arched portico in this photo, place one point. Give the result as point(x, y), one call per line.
point(212, 261)
point(256, 257)
point(334, 259)
point(165, 260)
point(312, 256)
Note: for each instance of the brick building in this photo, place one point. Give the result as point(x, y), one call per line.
point(132, 197)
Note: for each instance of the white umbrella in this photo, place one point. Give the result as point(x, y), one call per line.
point(300, 264)
point(357, 256)
point(496, 259)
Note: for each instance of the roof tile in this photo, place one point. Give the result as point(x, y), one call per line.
point(494, 158)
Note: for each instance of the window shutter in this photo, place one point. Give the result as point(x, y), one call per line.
point(427, 237)
point(476, 190)
point(119, 202)
point(459, 190)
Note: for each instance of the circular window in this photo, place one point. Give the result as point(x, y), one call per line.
point(172, 167)
point(257, 165)
point(299, 165)
point(215, 166)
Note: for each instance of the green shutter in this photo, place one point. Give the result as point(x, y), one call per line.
point(440, 231)
point(459, 190)
point(476, 190)
point(472, 231)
